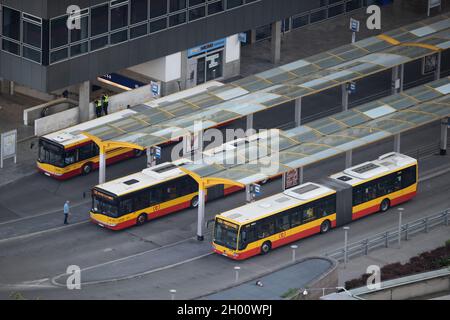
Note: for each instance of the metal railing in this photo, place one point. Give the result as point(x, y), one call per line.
point(384, 239)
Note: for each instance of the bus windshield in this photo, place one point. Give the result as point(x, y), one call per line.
point(225, 233)
point(51, 153)
point(104, 205)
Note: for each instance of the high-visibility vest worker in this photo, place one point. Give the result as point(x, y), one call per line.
point(105, 100)
point(98, 108)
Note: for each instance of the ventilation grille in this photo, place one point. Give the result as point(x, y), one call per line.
point(131, 182)
point(305, 189)
point(365, 168)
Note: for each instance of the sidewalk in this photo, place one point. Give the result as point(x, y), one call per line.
point(417, 244)
point(323, 36)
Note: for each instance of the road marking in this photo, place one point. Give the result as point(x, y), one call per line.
point(54, 280)
point(24, 236)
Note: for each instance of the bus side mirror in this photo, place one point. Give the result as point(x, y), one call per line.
point(209, 222)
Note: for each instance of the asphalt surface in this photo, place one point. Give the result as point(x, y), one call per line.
point(146, 262)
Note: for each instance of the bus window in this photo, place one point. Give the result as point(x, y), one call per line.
point(142, 200)
point(409, 177)
point(246, 236)
point(126, 206)
point(266, 228)
point(99, 205)
point(308, 215)
point(283, 222)
point(70, 157)
point(86, 152)
point(296, 218)
point(51, 153)
point(225, 234)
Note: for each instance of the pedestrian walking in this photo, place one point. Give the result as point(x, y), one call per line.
point(105, 102)
point(66, 212)
point(98, 108)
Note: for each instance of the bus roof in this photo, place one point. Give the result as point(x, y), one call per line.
point(71, 135)
point(366, 171)
point(290, 198)
point(144, 179)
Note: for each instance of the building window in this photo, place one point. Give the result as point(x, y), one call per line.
point(158, 8)
point(158, 25)
point(176, 5)
point(11, 47)
point(32, 31)
point(119, 16)
point(99, 20)
point(177, 19)
point(59, 55)
point(79, 49)
point(119, 37)
point(32, 54)
point(195, 2)
point(58, 32)
point(82, 33)
point(138, 11)
point(197, 13)
point(138, 31)
point(215, 7)
point(99, 43)
point(11, 23)
point(234, 3)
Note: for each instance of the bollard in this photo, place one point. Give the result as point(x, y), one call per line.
point(172, 294)
point(366, 247)
point(386, 239)
point(237, 274)
point(406, 232)
point(426, 224)
point(293, 247)
point(446, 217)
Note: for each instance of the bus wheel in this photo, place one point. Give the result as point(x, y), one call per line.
point(325, 226)
point(194, 202)
point(266, 247)
point(86, 169)
point(141, 219)
point(385, 204)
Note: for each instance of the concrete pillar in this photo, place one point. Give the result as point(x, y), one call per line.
point(444, 136)
point(201, 214)
point(397, 143)
point(84, 101)
point(437, 73)
point(397, 79)
point(11, 88)
point(248, 193)
point(298, 111)
point(102, 166)
point(151, 159)
point(249, 124)
point(348, 159)
point(275, 42)
point(300, 173)
point(344, 97)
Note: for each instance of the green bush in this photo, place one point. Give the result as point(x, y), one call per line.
point(447, 243)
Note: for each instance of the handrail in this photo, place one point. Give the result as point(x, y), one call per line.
point(383, 239)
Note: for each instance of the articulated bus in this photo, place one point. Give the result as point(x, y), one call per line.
point(313, 208)
point(149, 194)
point(68, 153)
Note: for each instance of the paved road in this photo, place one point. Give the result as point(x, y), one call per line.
point(39, 258)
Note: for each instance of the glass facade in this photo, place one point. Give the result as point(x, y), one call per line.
point(116, 21)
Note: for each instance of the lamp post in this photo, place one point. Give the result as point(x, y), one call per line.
point(345, 245)
point(400, 212)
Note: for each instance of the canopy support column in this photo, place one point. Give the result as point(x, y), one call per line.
point(298, 111)
point(249, 124)
point(151, 159)
point(275, 42)
point(444, 136)
point(348, 159)
point(397, 142)
point(397, 78)
point(437, 73)
point(201, 213)
point(344, 97)
point(102, 165)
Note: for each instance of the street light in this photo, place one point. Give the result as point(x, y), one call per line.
point(236, 269)
point(400, 212)
point(345, 245)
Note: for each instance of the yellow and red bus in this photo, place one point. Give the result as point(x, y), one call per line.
point(312, 208)
point(68, 153)
point(147, 195)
